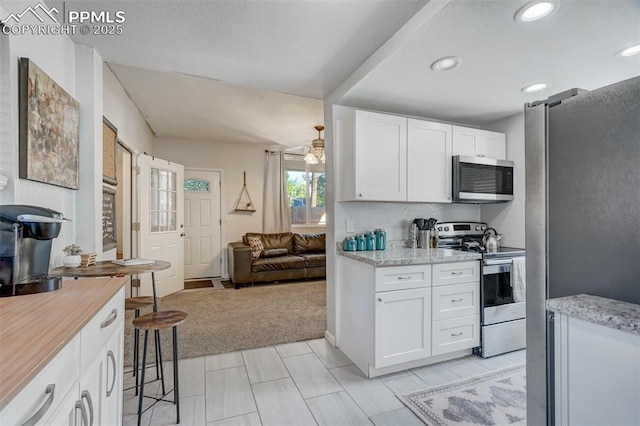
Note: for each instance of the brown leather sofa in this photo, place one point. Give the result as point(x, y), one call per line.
point(286, 256)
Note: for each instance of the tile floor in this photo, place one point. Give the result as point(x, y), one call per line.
point(304, 383)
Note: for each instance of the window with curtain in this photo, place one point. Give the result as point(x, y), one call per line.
point(306, 189)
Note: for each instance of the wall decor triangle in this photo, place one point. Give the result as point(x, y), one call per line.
point(244, 204)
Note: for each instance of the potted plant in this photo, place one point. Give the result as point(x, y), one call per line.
point(72, 257)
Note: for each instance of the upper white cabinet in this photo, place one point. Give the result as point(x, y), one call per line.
point(479, 143)
point(376, 166)
point(384, 157)
point(428, 161)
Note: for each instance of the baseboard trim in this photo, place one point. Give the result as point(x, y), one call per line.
point(330, 338)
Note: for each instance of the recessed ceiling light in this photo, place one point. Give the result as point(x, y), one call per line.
point(536, 87)
point(536, 10)
point(630, 51)
point(447, 64)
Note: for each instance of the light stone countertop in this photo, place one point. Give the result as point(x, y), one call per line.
point(409, 256)
point(609, 313)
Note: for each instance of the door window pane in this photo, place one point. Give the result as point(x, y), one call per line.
point(196, 185)
point(163, 200)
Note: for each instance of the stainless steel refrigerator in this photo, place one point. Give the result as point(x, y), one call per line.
point(582, 152)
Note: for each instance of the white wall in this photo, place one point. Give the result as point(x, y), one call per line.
point(55, 55)
point(120, 110)
point(508, 218)
point(232, 159)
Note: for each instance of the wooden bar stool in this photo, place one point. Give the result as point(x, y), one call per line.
point(135, 304)
point(157, 321)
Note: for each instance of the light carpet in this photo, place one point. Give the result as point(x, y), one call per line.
point(496, 398)
point(229, 320)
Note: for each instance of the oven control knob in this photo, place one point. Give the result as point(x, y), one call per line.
point(439, 228)
point(446, 228)
point(478, 228)
point(483, 228)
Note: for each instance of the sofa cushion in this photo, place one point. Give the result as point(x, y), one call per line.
point(277, 263)
point(308, 243)
point(271, 241)
point(275, 252)
point(314, 260)
point(256, 246)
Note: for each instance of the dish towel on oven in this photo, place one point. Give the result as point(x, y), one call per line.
point(518, 279)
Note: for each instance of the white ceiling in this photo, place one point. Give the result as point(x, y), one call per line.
point(574, 47)
point(307, 48)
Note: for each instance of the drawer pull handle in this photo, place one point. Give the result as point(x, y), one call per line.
point(457, 273)
point(112, 317)
point(38, 415)
point(404, 278)
point(112, 357)
point(83, 411)
point(456, 300)
point(457, 334)
point(86, 395)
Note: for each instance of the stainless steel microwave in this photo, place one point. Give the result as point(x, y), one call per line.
point(481, 180)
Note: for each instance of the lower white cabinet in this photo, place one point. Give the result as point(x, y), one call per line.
point(391, 318)
point(82, 384)
point(596, 373)
point(402, 326)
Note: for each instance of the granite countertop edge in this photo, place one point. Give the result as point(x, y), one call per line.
point(609, 313)
point(409, 256)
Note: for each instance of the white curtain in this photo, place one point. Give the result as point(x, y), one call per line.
point(276, 216)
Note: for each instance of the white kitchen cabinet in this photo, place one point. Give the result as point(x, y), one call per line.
point(429, 148)
point(402, 326)
point(372, 158)
point(456, 307)
point(597, 373)
point(73, 385)
point(479, 143)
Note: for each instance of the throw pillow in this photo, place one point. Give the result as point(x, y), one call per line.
point(256, 247)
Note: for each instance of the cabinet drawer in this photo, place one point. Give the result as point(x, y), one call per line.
point(455, 334)
point(95, 334)
point(454, 301)
point(403, 277)
point(59, 376)
point(456, 273)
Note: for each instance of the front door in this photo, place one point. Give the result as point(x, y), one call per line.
point(161, 214)
point(202, 243)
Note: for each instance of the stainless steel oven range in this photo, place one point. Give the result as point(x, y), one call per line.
point(502, 313)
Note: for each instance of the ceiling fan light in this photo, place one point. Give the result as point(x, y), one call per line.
point(630, 51)
point(447, 63)
point(310, 158)
point(535, 11)
point(535, 87)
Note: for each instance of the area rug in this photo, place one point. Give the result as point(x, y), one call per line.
point(228, 320)
point(496, 398)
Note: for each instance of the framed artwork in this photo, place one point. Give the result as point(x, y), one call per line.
point(109, 230)
point(109, 141)
point(48, 122)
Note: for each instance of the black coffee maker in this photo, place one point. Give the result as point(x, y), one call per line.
point(26, 233)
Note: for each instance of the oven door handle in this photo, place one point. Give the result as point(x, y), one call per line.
point(496, 269)
point(491, 262)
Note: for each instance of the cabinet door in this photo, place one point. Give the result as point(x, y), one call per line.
point(492, 145)
point(464, 141)
point(380, 157)
point(91, 391)
point(68, 413)
point(402, 326)
point(113, 380)
point(429, 148)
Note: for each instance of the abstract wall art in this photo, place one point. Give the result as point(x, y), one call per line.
point(49, 134)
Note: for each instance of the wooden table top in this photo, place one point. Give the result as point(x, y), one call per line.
point(107, 269)
point(35, 327)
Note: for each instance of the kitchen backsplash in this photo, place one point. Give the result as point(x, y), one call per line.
point(396, 217)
